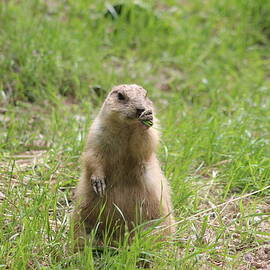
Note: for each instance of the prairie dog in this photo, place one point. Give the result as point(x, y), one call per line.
point(122, 184)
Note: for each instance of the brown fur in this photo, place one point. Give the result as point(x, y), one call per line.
point(122, 150)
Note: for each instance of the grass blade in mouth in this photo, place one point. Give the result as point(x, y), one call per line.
point(147, 123)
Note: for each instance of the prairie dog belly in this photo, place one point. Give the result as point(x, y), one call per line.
point(131, 203)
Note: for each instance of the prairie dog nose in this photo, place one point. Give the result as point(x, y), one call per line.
point(139, 111)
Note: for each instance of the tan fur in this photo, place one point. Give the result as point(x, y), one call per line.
point(122, 150)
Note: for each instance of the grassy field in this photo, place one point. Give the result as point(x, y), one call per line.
point(206, 65)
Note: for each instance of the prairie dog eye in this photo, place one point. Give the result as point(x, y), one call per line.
point(120, 96)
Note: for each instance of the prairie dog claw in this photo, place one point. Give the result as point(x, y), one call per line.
point(98, 184)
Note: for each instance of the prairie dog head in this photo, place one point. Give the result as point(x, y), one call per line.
point(128, 103)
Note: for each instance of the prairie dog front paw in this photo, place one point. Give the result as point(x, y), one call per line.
point(98, 184)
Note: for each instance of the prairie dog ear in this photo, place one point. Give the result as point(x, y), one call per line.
point(117, 93)
point(113, 92)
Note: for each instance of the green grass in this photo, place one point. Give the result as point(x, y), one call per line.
point(206, 67)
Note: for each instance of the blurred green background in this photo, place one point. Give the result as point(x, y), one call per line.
point(205, 51)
